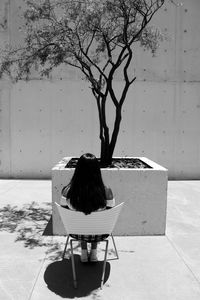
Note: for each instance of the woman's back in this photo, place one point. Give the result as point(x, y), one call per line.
point(86, 191)
point(109, 199)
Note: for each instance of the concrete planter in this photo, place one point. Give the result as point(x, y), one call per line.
point(144, 192)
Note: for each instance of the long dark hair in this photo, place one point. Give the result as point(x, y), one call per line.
point(86, 190)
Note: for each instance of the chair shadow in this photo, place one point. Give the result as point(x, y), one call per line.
point(59, 279)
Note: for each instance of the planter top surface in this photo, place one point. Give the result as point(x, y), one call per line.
point(153, 166)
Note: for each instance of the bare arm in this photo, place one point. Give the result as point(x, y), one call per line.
point(109, 197)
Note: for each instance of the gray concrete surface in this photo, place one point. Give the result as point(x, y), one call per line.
point(150, 268)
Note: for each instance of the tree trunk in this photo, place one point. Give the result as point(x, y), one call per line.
point(107, 147)
point(106, 159)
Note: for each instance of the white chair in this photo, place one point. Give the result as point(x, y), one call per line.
point(99, 224)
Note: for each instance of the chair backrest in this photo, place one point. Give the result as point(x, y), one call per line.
point(96, 223)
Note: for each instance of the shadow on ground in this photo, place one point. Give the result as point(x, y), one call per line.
point(32, 225)
point(58, 277)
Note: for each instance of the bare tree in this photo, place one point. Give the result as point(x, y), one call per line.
point(96, 37)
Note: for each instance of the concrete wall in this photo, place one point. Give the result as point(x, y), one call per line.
point(42, 121)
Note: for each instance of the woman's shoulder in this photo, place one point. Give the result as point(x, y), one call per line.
point(109, 193)
point(65, 191)
point(110, 200)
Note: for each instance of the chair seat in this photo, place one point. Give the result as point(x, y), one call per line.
point(89, 238)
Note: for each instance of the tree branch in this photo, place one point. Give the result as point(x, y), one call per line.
point(91, 41)
point(89, 60)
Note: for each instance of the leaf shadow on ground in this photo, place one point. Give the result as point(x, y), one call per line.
point(58, 277)
point(31, 223)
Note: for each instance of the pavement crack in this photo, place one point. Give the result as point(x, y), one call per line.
point(182, 258)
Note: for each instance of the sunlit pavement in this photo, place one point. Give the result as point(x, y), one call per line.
point(149, 268)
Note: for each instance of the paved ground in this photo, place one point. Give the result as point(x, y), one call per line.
point(150, 268)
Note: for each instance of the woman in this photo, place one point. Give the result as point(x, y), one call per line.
point(87, 193)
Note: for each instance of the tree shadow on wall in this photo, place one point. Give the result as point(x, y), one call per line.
point(30, 223)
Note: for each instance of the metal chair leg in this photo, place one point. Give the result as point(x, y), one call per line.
point(116, 252)
point(63, 256)
point(104, 264)
point(73, 265)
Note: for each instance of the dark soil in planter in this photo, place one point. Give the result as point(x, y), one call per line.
point(127, 163)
